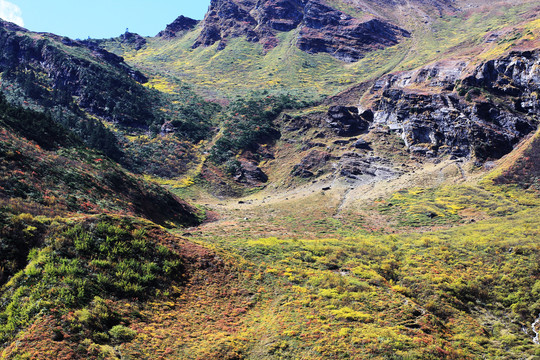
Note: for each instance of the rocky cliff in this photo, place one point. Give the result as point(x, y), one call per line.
point(330, 31)
point(452, 109)
point(321, 27)
point(483, 112)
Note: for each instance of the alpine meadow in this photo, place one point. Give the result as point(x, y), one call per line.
point(283, 179)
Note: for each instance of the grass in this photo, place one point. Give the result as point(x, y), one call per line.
point(458, 292)
point(249, 68)
point(460, 284)
point(462, 34)
point(286, 279)
point(452, 204)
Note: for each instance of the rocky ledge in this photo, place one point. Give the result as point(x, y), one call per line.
point(322, 29)
point(181, 24)
point(134, 40)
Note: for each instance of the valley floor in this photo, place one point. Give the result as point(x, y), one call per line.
point(445, 269)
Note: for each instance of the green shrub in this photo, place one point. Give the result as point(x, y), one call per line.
point(121, 333)
point(349, 314)
point(249, 122)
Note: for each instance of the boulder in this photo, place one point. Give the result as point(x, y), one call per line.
point(250, 173)
point(314, 160)
point(346, 120)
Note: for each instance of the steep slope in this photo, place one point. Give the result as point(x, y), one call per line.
point(384, 129)
point(56, 175)
point(407, 113)
point(54, 70)
point(99, 97)
point(524, 171)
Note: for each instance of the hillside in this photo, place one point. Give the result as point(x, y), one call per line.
point(362, 179)
point(72, 221)
point(437, 31)
point(443, 62)
point(95, 94)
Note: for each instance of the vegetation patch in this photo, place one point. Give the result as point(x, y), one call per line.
point(417, 207)
point(249, 122)
point(81, 263)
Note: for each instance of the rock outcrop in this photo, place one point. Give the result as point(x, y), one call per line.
point(365, 169)
point(134, 40)
point(249, 173)
point(322, 28)
point(347, 120)
point(466, 116)
point(516, 75)
point(330, 31)
point(180, 25)
point(443, 123)
point(311, 162)
point(227, 19)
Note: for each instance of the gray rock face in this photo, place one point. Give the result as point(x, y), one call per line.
point(438, 75)
point(365, 169)
point(516, 75)
point(469, 122)
point(362, 144)
point(347, 120)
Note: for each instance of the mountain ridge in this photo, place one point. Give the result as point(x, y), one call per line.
point(321, 28)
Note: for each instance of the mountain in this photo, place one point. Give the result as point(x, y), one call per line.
point(27, 58)
point(311, 179)
point(97, 95)
point(321, 28)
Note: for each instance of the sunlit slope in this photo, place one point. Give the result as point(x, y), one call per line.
point(243, 66)
point(445, 271)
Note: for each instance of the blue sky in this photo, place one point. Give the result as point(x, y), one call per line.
point(99, 18)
